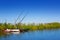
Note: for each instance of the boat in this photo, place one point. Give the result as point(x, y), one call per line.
point(12, 30)
point(16, 30)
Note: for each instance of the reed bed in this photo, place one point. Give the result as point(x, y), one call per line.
point(30, 27)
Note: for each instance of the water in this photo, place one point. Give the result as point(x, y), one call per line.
point(34, 35)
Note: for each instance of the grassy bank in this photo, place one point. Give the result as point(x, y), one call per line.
point(30, 27)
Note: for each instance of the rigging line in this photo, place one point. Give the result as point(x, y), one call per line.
point(19, 16)
point(24, 17)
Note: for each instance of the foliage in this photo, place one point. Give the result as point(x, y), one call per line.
point(30, 27)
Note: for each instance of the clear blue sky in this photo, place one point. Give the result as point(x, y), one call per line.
point(39, 11)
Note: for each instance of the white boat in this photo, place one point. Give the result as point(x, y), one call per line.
point(12, 30)
point(16, 30)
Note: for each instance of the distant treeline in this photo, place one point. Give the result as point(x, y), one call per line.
point(30, 27)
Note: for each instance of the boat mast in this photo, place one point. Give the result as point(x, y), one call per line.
point(22, 18)
point(18, 18)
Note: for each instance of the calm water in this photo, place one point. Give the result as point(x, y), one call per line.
point(34, 35)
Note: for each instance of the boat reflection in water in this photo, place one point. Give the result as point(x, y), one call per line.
point(15, 32)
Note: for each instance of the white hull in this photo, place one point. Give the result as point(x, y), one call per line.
point(12, 30)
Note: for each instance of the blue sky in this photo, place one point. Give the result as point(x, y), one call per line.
point(39, 11)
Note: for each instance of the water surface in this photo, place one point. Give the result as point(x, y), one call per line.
point(33, 35)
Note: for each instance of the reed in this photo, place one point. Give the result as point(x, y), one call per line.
point(30, 27)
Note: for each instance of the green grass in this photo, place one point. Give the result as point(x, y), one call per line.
point(30, 27)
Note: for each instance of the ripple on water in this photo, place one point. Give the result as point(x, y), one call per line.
point(34, 35)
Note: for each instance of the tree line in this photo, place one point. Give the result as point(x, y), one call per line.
point(30, 27)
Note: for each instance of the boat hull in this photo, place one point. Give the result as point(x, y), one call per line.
point(12, 30)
